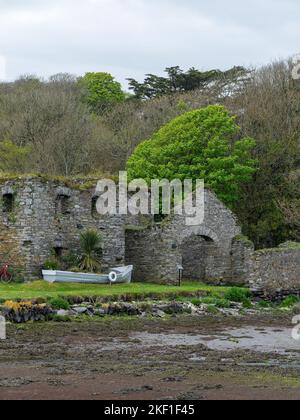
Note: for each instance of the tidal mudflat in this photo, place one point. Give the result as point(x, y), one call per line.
point(178, 358)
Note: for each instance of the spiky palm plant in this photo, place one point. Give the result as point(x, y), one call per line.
point(90, 242)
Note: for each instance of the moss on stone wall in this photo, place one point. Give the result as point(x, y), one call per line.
point(290, 245)
point(245, 240)
point(81, 183)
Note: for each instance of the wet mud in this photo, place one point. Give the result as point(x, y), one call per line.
point(180, 358)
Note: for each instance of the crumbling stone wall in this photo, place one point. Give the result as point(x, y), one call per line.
point(275, 271)
point(268, 271)
point(154, 255)
point(48, 216)
point(242, 252)
point(156, 251)
point(195, 251)
point(39, 216)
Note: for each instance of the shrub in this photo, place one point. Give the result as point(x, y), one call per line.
point(211, 309)
point(196, 302)
point(59, 303)
point(223, 304)
point(219, 303)
point(51, 264)
point(90, 242)
point(70, 261)
point(247, 304)
point(264, 304)
point(41, 300)
point(290, 301)
point(237, 294)
point(20, 312)
point(208, 301)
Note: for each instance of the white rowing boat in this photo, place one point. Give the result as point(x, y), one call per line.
point(116, 275)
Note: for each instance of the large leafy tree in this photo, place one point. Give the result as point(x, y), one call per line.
point(201, 144)
point(101, 91)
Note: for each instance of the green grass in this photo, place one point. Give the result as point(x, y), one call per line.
point(238, 294)
point(41, 289)
point(290, 301)
point(214, 298)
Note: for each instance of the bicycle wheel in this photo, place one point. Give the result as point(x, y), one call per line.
point(5, 278)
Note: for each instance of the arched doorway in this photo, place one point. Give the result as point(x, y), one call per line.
point(198, 252)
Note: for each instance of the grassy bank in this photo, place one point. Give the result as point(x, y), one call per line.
point(41, 289)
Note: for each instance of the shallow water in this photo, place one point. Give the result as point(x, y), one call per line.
point(264, 340)
point(170, 360)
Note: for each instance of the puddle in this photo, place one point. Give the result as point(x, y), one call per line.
point(265, 340)
point(272, 363)
point(196, 358)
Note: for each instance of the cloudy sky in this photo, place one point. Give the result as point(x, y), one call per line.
point(132, 37)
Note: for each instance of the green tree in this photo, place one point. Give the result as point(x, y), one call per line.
point(198, 145)
point(179, 81)
point(101, 91)
point(13, 158)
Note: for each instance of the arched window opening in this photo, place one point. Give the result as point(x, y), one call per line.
point(62, 204)
point(8, 203)
point(58, 250)
point(94, 210)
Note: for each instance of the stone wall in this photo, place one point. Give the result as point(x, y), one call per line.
point(157, 250)
point(40, 216)
point(47, 216)
point(195, 251)
point(242, 252)
point(154, 255)
point(275, 271)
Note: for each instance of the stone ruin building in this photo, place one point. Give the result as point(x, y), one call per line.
point(41, 217)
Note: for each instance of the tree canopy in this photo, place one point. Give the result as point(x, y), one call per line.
point(179, 81)
point(200, 144)
point(13, 158)
point(71, 137)
point(101, 90)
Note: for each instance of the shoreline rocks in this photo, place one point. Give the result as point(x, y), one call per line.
point(22, 312)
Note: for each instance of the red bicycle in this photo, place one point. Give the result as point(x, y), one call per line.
point(5, 275)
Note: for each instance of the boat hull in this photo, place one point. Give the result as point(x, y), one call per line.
point(123, 275)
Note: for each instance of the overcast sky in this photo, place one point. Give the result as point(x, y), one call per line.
point(132, 37)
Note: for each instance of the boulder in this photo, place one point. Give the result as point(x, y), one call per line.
point(62, 313)
point(123, 308)
point(79, 310)
point(100, 312)
point(158, 313)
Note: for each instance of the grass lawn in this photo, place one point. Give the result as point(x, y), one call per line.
point(41, 289)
